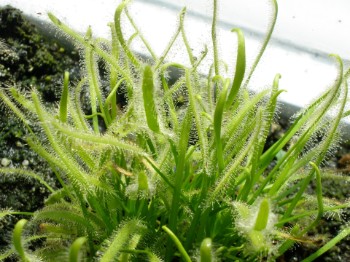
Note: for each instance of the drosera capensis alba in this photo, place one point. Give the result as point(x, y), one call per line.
point(181, 171)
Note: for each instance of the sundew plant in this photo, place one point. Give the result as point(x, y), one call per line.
point(172, 169)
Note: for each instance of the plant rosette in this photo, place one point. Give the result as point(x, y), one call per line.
point(181, 169)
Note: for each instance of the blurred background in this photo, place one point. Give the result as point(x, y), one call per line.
point(305, 34)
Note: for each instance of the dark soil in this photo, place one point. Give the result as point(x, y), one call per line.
point(30, 61)
point(329, 227)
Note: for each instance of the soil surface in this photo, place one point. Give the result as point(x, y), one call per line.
point(30, 60)
point(329, 226)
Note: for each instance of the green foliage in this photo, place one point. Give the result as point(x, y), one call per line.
point(158, 179)
point(206, 250)
point(17, 242)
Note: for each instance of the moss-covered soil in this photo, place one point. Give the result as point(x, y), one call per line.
point(30, 61)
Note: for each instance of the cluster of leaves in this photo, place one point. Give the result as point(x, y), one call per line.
point(180, 170)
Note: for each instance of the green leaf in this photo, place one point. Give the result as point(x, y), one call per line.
point(120, 239)
point(266, 41)
point(206, 250)
point(178, 244)
point(17, 240)
point(263, 215)
point(64, 98)
point(219, 109)
point(75, 248)
point(118, 29)
point(148, 99)
point(240, 67)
